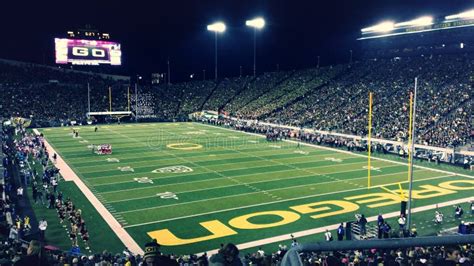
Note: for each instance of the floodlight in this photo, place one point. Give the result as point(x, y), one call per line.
point(216, 27)
point(464, 15)
point(421, 21)
point(257, 23)
point(381, 27)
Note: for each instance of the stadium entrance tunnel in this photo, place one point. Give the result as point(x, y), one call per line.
point(316, 210)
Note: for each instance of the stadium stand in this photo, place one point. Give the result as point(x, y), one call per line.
point(328, 98)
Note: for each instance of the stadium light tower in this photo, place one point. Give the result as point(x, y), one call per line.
point(421, 21)
point(217, 27)
point(256, 24)
point(461, 16)
point(385, 26)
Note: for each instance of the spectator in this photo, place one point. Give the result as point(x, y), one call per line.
point(386, 229)
point(328, 236)
point(363, 223)
point(438, 217)
point(458, 212)
point(42, 226)
point(402, 222)
point(340, 232)
point(35, 255)
point(19, 192)
point(229, 255)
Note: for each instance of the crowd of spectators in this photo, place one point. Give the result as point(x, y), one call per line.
point(328, 98)
point(341, 106)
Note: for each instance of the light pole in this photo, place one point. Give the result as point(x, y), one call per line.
point(203, 74)
point(136, 97)
point(318, 62)
point(217, 27)
point(169, 74)
point(256, 24)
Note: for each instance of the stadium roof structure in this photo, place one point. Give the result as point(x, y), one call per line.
point(418, 25)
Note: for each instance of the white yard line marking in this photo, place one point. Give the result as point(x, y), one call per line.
point(195, 164)
point(257, 182)
point(69, 175)
point(307, 159)
point(342, 151)
point(204, 155)
point(194, 173)
point(273, 202)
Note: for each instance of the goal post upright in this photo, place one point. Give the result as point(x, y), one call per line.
point(412, 144)
point(110, 99)
point(136, 102)
point(126, 111)
point(409, 135)
point(128, 98)
point(88, 98)
point(368, 140)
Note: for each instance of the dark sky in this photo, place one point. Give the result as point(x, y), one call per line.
point(151, 31)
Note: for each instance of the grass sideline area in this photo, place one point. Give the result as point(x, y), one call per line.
point(175, 177)
point(102, 237)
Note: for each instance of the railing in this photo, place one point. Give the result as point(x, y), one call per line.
point(402, 144)
point(292, 257)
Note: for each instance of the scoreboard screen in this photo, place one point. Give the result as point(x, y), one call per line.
point(87, 52)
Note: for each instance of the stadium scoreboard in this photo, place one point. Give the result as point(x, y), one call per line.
point(87, 52)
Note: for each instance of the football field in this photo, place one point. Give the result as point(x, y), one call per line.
point(193, 186)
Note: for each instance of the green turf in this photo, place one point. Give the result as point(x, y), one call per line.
point(233, 174)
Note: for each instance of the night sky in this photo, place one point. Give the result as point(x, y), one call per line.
point(151, 31)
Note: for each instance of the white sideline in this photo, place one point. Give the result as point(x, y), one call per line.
point(335, 226)
point(69, 175)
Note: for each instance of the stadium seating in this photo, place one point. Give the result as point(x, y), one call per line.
point(328, 98)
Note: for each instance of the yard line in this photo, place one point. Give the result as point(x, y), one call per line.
point(197, 162)
point(202, 155)
point(191, 174)
point(278, 201)
point(204, 167)
point(346, 152)
point(152, 154)
point(213, 179)
point(263, 181)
